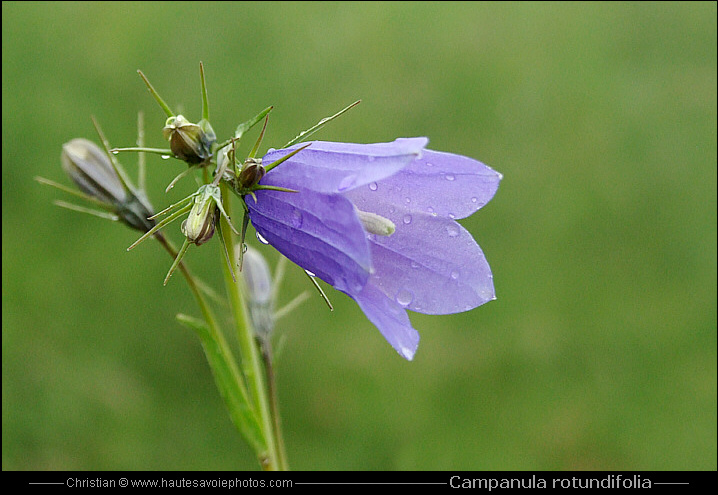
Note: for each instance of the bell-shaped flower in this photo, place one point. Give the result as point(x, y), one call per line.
point(378, 222)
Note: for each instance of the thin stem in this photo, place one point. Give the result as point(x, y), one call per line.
point(141, 158)
point(274, 402)
point(230, 382)
point(205, 103)
point(156, 95)
point(157, 151)
point(319, 125)
point(284, 158)
point(124, 178)
point(82, 209)
point(251, 361)
point(253, 153)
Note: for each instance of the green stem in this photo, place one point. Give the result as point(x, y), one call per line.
point(252, 367)
point(223, 363)
point(274, 404)
point(156, 95)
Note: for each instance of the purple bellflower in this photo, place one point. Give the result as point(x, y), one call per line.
point(377, 222)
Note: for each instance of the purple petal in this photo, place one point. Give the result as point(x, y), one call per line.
point(391, 320)
point(449, 185)
point(336, 167)
point(319, 232)
point(431, 265)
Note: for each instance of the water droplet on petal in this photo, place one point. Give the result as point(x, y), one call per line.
point(371, 158)
point(407, 219)
point(297, 218)
point(408, 200)
point(392, 209)
point(429, 164)
point(414, 264)
point(430, 209)
point(271, 149)
point(347, 182)
point(474, 200)
point(455, 274)
point(404, 297)
point(165, 157)
point(452, 229)
point(486, 294)
point(373, 186)
point(450, 177)
point(311, 274)
point(261, 239)
point(452, 216)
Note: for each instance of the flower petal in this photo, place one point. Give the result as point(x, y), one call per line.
point(319, 232)
point(336, 167)
point(390, 318)
point(449, 185)
point(431, 265)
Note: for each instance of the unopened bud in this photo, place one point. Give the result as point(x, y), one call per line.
point(199, 225)
point(258, 281)
point(89, 167)
point(189, 142)
point(252, 172)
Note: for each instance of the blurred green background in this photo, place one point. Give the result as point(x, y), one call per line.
point(600, 352)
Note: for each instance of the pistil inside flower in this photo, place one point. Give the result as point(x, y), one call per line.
point(375, 224)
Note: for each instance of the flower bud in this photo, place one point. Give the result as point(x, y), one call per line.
point(259, 288)
point(199, 225)
point(252, 172)
point(89, 167)
point(189, 142)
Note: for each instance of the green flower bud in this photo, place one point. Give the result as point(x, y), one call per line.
point(252, 172)
point(89, 167)
point(189, 142)
point(199, 225)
